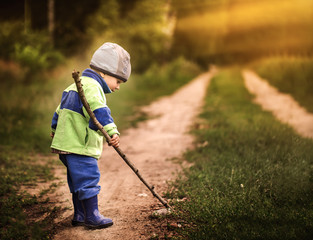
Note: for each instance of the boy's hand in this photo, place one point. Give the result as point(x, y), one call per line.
point(52, 134)
point(115, 141)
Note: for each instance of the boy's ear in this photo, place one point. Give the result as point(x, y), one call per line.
point(102, 74)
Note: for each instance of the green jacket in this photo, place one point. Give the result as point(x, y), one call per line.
point(74, 132)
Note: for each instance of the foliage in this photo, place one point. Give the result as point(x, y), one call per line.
point(141, 30)
point(71, 24)
point(251, 176)
point(69, 20)
point(292, 75)
point(35, 58)
point(31, 50)
point(26, 112)
point(163, 80)
point(103, 20)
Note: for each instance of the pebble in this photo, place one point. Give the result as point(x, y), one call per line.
point(161, 212)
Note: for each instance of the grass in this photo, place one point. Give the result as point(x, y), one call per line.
point(17, 207)
point(252, 176)
point(293, 75)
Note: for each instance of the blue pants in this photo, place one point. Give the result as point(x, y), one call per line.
point(83, 175)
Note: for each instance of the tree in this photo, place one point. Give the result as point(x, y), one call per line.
point(27, 15)
point(51, 20)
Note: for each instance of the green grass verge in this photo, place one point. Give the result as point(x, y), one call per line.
point(252, 176)
point(293, 75)
point(18, 207)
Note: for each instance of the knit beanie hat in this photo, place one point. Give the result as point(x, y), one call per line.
point(113, 60)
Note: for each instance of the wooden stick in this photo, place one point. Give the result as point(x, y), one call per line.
point(81, 94)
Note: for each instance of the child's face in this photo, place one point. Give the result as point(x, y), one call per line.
point(112, 82)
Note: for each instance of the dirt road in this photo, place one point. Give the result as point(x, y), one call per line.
point(150, 146)
point(283, 106)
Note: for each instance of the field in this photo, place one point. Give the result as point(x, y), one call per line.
point(292, 75)
point(252, 176)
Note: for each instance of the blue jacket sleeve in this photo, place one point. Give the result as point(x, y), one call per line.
point(55, 118)
point(103, 115)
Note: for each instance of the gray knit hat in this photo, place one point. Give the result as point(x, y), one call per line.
point(113, 60)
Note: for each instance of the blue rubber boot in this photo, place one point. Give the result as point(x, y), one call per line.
point(79, 216)
point(93, 219)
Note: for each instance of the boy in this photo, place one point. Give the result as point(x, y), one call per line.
point(78, 141)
